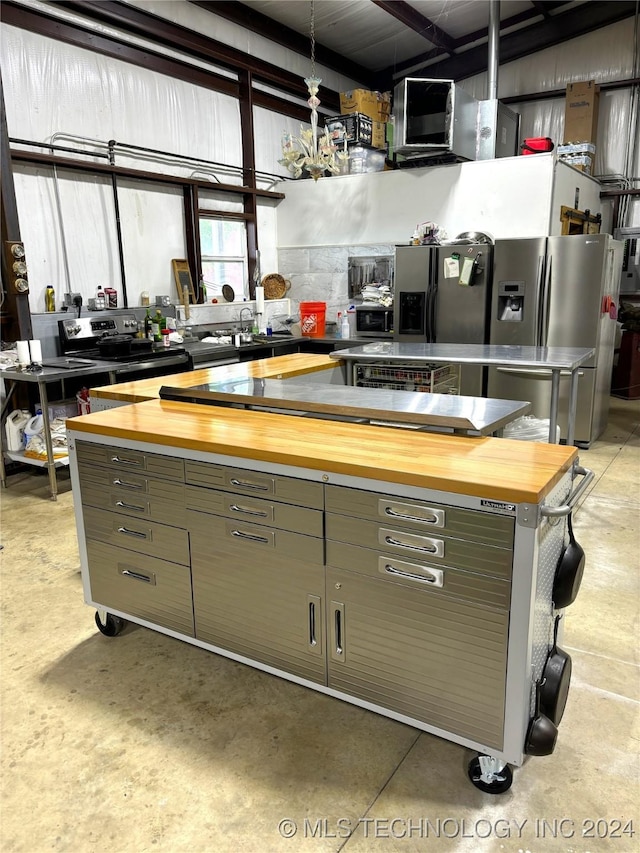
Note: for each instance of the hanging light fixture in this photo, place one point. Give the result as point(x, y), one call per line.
point(306, 152)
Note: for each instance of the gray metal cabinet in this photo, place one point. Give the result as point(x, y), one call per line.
point(258, 567)
point(133, 512)
point(418, 598)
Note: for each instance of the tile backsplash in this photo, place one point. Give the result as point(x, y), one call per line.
point(321, 273)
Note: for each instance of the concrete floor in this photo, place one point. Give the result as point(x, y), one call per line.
point(144, 743)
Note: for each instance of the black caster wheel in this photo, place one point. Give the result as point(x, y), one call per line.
point(501, 783)
point(112, 626)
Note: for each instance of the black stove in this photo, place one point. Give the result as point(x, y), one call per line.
point(79, 338)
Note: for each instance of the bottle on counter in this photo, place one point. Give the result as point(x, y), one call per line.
point(345, 328)
point(101, 299)
point(49, 298)
point(164, 334)
point(157, 324)
point(339, 324)
point(148, 331)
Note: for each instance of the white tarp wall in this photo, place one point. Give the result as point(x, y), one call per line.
point(51, 87)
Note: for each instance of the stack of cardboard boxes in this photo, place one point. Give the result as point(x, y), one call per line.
point(362, 126)
point(580, 125)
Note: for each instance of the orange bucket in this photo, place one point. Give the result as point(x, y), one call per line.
point(312, 317)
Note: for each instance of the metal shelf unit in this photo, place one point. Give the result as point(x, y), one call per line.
point(431, 378)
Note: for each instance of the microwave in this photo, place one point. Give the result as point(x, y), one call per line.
point(374, 321)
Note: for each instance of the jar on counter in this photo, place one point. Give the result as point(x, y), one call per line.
point(144, 298)
point(165, 337)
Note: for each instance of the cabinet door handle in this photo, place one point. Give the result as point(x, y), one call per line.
point(136, 533)
point(246, 511)
point(405, 512)
point(124, 505)
point(337, 631)
point(432, 577)
point(315, 625)
point(125, 485)
point(250, 536)
point(244, 484)
point(138, 576)
point(122, 461)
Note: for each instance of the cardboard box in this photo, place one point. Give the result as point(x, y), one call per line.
point(376, 105)
point(358, 129)
point(581, 112)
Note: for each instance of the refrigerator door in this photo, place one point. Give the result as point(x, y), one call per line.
point(463, 276)
point(518, 280)
point(413, 294)
point(462, 290)
point(579, 269)
point(535, 386)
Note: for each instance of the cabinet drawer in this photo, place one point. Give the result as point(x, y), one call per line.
point(141, 586)
point(268, 608)
point(435, 660)
point(483, 527)
point(255, 539)
point(421, 576)
point(136, 534)
point(256, 483)
point(258, 510)
point(130, 461)
point(431, 546)
point(134, 495)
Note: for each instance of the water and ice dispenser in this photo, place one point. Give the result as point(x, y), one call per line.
point(510, 301)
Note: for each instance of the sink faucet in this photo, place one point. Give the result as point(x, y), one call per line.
point(242, 310)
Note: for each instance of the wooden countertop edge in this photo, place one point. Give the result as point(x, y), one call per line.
point(138, 391)
point(341, 449)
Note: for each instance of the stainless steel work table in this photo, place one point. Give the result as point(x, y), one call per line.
point(445, 412)
point(46, 376)
point(555, 359)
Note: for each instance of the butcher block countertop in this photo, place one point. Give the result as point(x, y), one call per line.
point(492, 468)
point(279, 367)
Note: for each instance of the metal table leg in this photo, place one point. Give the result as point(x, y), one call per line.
point(555, 396)
point(51, 464)
point(573, 405)
point(5, 406)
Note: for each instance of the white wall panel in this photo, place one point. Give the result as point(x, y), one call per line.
point(510, 197)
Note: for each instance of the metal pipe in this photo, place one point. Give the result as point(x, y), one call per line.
point(63, 241)
point(494, 51)
point(116, 205)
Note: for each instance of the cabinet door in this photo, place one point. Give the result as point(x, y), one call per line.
point(437, 660)
point(259, 594)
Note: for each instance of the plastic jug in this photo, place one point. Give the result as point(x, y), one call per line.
point(14, 429)
point(34, 426)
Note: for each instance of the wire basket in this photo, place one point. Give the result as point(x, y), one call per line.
point(429, 378)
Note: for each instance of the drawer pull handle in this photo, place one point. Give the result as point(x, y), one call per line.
point(250, 536)
point(434, 577)
point(138, 576)
point(129, 506)
point(429, 550)
point(128, 532)
point(246, 511)
point(125, 485)
point(243, 484)
point(422, 520)
point(121, 461)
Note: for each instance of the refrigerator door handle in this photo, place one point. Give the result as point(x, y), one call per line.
point(545, 306)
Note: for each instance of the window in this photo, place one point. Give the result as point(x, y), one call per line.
point(223, 246)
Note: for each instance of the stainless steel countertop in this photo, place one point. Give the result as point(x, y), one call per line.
point(565, 358)
point(89, 367)
point(475, 415)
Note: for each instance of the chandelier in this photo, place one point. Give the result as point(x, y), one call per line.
point(307, 152)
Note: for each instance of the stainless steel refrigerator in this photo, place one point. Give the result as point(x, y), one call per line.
point(442, 295)
point(557, 291)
